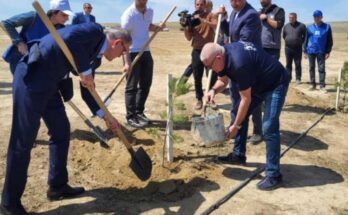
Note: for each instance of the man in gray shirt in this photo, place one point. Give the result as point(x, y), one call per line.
point(294, 34)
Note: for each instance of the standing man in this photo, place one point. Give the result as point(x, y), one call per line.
point(79, 18)
point(244, 25)
point(201, 32)
point(259, 78)
point(318, 45)
point(36, 96)
point(272, 19)
point(137, 20)
point(85, 16)
point(294, 34)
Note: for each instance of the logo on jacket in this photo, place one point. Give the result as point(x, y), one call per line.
point(248, 46)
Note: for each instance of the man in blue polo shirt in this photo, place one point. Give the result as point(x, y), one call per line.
point(318, 45)
point(258, 78)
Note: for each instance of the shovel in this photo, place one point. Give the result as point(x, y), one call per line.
point(107, 99)
point(141, 163)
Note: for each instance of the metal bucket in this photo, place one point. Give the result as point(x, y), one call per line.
point(209, 130)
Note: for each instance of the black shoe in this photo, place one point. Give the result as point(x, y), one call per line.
point(141, 117)
point(270, 183)
point(232, 159)
point(12, 210)
point(64, 192)
point(134, 122)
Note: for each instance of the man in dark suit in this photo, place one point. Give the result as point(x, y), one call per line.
point(36, 96)
point(85, 16)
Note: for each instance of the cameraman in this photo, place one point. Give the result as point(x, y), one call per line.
point(200, 29)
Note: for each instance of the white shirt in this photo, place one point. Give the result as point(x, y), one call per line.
point(138, 26)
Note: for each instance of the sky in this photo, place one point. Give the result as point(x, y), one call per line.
point(111, 10)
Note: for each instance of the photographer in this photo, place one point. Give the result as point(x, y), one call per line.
point(198, 27)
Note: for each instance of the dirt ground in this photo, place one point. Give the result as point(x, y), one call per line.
point(315, 171)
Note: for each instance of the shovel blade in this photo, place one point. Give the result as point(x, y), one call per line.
point(141, 164)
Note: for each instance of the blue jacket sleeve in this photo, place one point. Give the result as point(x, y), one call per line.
point(75, 20)
point(80, 39)
point(23, 20)
point(329, 42)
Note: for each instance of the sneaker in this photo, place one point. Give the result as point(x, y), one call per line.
point(255, 139)
point(19, 210)
point(65, 191)
point(323, 89)
point(298, 82)
point(312, 88)
point(134, 122)
point(232, 159)
point(141, 117)
point(199, 105)
point(270, 183)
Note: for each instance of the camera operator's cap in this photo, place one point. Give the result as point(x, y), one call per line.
point(62, 5)
point(318, 13)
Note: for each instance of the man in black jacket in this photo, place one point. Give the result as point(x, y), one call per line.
point(294, 34)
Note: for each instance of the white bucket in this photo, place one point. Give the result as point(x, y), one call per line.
point(209, 130)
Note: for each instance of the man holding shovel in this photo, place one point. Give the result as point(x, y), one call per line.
point(259, 78)
point(36, 96)
point(137, 20)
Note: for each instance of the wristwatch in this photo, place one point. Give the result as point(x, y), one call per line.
point(237, 126)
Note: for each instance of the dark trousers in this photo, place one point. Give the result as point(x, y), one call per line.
point(28, 108)
point(294, 55)
point(88, 98)
point(198, 70)
point(138, 84)
point(321, 68)
point(189, 70)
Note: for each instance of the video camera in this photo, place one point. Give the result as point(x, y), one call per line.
point(187, 19)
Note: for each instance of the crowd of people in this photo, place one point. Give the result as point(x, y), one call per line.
point(246, 58)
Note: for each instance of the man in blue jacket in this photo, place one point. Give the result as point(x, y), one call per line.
point(245, 25)
point(259, 78)
point(36, 96)
point(85, 16)
point(317, 46)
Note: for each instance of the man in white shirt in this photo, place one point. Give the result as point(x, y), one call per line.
point(137, 19)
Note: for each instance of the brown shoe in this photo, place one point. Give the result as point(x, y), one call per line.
point(199, 105)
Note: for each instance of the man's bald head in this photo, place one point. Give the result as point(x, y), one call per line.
point(210, 51)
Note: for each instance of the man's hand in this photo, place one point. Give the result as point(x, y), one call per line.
point(126, 69)
point(305, 55)
point(22, 48)
point(231, 132)
point(263, 16)
point(113, 125)
point(327, 56)
point(87, 81)
point(210, 96)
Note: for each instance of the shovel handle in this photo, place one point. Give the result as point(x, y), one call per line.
point(136, 59)
point(210, 72)
point(70, 58)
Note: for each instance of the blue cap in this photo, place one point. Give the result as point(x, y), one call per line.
point(317, 13)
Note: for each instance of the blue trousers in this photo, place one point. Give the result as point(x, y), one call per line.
point(28, 108)
point(274, 101)
point(321, 68)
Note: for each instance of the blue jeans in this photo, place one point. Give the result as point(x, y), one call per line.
point(274, 101)
point(321, 68)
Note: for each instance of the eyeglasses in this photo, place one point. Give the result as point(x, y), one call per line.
point(90, 8)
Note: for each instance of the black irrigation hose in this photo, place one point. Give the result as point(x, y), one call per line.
point(257, 172)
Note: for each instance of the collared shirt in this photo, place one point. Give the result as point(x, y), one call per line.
point(138, 25)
